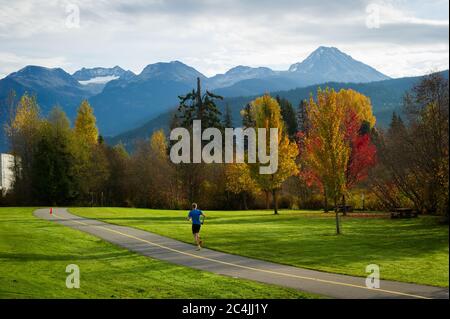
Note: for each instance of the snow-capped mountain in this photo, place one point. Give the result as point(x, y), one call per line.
point(85, 74)
point(122, 100)
point(95, 79)
point(328, 64)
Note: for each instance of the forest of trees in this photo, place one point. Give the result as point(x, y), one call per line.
point(330, 153)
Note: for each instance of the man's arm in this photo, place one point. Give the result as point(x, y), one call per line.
point(204, 216)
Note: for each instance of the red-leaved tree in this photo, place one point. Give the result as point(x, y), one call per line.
point(356, 125)
point(362, 151)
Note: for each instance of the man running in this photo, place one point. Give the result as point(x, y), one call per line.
point(194, 216)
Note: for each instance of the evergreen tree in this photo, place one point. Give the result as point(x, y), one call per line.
point(289, 118)
point(53, 180)
point(118, 184)
point(198, 106)
point(247, 117)
point(227, 118)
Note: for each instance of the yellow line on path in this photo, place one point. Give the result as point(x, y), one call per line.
point(246, 267)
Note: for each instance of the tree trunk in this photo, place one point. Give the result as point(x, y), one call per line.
point(199, 100)
point(275, 201)
point(344, 206)
point(338, 228)
point(244, 199)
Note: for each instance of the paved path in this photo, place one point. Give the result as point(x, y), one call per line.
point(174, 251)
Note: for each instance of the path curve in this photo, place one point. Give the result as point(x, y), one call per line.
point(180, 253)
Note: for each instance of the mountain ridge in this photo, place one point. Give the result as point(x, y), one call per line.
point(156, 88)
point(123, 100)
point(386, 97)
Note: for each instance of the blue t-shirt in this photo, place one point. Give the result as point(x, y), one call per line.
point(195, 216)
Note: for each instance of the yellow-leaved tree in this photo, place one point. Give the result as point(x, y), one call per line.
point(266, 113)
point(91, 167)
point(162, 189)
point(85, 126)
point(358, 104)
point(24, 133)
point(239, 182)
point(326, 152)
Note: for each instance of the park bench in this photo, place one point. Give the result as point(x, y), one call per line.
point(403, 213)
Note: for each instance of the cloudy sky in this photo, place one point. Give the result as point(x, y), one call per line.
point(398, 37)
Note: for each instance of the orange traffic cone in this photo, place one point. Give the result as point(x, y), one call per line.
point(51, 210)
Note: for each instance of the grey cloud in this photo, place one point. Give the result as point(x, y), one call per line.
point(213, 35)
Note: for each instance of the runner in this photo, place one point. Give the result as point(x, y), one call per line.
point(194, 216)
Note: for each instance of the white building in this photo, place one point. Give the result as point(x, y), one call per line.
point(7, 172)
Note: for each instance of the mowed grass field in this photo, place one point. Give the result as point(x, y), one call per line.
point(409, 250)
point(34, 254)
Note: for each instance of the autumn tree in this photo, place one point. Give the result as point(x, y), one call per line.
point(92, 167)
point(24, 134)
point(239, 181)
point(164, 189)
point(387, 181)
point(267, 114)
point(337, 151)
point(415, 151)
point(326, 151)
point(302, 117)
point(85, 126)
point(359, 123)
point(356, 105)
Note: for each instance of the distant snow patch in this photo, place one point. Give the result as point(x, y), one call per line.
point(99, 80)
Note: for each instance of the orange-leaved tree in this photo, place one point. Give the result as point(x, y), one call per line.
point(336, 150)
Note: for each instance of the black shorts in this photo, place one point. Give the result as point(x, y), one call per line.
point(195, 228)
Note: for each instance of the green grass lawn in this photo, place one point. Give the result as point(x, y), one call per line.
point(410, 250)
point(34, 254)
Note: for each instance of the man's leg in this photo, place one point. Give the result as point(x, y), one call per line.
point(200, 241)
point(197, 240)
